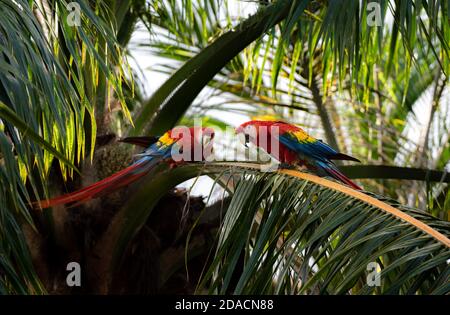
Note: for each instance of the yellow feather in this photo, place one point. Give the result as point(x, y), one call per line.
point(166, 139)
point(303, 136)
point(265, 118)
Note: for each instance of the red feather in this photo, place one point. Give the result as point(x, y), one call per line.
point(339, 176)
point(111, 183)
point(127, 175)
point(291, 157)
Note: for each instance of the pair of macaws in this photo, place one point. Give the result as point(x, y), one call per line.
point(294, 147)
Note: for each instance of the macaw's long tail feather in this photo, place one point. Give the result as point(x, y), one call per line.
point(332, 170)
point(342, 156)
point(107, 185)
point(140, 141)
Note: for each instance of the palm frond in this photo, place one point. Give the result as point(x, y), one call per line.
point(48, 89)
point(299, 233)
point(307, 235)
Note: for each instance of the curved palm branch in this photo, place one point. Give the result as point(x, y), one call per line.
point(304, 234)
point(291, 232)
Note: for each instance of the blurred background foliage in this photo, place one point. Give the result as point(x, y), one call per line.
point(365, 90)
point(378, 91)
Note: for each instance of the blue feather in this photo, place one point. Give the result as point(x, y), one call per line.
point(317, 150)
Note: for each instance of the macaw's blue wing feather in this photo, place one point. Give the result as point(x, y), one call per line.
point(156, 150)
point(307, 146)
point(312, 147)
point(319, 154)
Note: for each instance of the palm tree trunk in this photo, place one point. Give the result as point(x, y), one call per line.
point(438, 90)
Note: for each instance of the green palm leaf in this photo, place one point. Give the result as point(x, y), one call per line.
point(48, 87)
point(310, 236)
point(298, 233)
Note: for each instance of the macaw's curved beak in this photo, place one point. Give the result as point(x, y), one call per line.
point(240, 130)
point(208, 132)
point(207, 136)
point(247, 140)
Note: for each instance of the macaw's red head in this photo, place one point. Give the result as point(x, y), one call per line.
point(260, 125)
point(257, 130)
point(265, 134)
point(194, 143)
point(253, 124)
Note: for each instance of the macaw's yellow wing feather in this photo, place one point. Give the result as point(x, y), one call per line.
point(302, 136)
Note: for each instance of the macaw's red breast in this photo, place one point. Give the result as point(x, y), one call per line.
point(267, 139)
point(266, 135)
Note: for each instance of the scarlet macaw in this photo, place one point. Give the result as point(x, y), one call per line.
point(295, 147)
point(159, 149)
